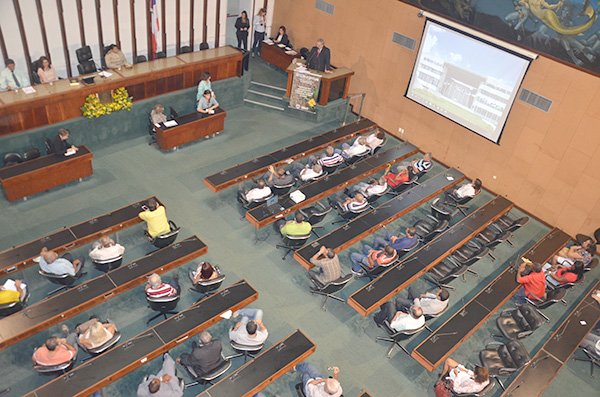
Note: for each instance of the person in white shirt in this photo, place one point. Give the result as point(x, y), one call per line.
point(468, 190)
point(375, 139)
point(260, 192)
point(431, 303)
point(464, 380)
point(306, 172)
point(250, 330)
point(106, 249)
point(260, 27)
point(408, 321)
point(359, 147)
point(315, 384)
point(374, 187)
point(12, 79)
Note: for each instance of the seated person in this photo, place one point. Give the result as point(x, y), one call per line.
point(278, 177)
point(327, 266)
point(207, 104)
point(371, 258)
point(375, 139)
point(12, 291)
point(157, 115)
point(250, 330)
point(331, 158)
point(566, 275)
point(155, 217)
point(468, 190)
point(56, 350)
point(204, 357)
point(46, 71)
point(400, 321)
point(106, 249)
point(575, 253)
point(463, 379)
point(260, 192)
point(115, 59)
point(59, 143)
point(93, 333)
point(396, 242)
point(204, 272)
point(50, 262)
point(591, 342)
point(306, 172)
point(359, 147)
point(588, 243)
point(420, 166)
point(156, 288)
point(431, 303)
point(164, 384)
point(533, 280)
point(374, 187)
point(282, 37)
point(296, 227)
point(355, 204)
point(315, 384)
point(396, 179)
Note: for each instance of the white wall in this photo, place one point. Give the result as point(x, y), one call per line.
point(12, 38)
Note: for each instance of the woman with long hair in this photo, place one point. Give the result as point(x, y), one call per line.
point(242, 24)
point(46, 72)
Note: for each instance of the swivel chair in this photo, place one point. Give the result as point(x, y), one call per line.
point(30, 154)
point(203, 46)
point(280, 190)
point(108, 264)
point(54, 369)
point(591, 356)
point(65, 280)
point(246, 351)
point(12, 159)
point(93, 352)
point(166, 239)
point(395, 337)
point(207, 287)
point(163, 306)
point(519, 322)
point(141, 59)
point(292, 243)
point(210, 376)
point(503, 360)
point(315, 214)
point(427, 229)
point(185, 49)
point(7, 309)
point(328, 290)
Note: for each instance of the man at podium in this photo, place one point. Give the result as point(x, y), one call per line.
point(319, 57)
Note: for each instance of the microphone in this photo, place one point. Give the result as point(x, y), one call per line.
point(312, 54)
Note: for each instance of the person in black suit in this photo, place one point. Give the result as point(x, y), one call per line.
point(205, 357)
point(59, 143)
point(242, 24)
point(282, 37)
point(319, 57)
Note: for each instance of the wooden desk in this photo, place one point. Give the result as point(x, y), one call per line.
point(35, 176)
point(66, 238)
point(60, 101)
point(537, 376)
point(367, 299)
point(334, 85)
point(117, 362)
point(449, 336)
point(242, 171)
point(190, 127)
point(370, 221)
point(276, 56)
point(262, 215)
point(58, 308)
point(271, 364)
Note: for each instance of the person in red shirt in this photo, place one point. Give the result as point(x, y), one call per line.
point(56, 351)
point(396, 179)
point(371, 258)
point(156, 288)
point(565, 275)
point(533, 280)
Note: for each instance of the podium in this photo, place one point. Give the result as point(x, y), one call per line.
point(334, 85)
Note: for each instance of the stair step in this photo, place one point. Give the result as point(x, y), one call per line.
point(268, 86)
point(264, 104)
point(265, 95)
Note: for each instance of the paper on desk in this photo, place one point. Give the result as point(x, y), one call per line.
point(10, 285)
point(28, 90)
point(170, 123)
point(70, 152)
point(104, 73)
point(227, 315)
point(297, 196)
point(268, 41)
point(291, 52)
point(450, 178)
point(280, 45)
point(287, 48)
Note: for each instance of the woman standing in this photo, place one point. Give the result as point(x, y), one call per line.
point(46, 72)
point(242, 24)
point(260, 27)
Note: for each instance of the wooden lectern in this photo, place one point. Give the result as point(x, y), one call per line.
point(334, 85)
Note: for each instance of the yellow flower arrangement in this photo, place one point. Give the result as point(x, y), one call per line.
point(93, 108)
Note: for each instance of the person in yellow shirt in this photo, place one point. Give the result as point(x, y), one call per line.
point(13, 292)
point(156, 219)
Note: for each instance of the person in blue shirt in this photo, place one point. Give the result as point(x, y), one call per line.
point(397, 242)
point(50, 262)
point(204, 85)
point(12, 79)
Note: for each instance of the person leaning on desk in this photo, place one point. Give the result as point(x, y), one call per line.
point(207, 104)
point(60, 146)
point(319, 57)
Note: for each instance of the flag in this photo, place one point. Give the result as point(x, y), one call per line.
point(155, 28)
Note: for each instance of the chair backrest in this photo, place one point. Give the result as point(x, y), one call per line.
point(296, 241)
point(204, 46)
point(210, 285)
point(161, 54)
point(53, 276)
point(597, 235)
point(165, 239)
point(533, 318)
point(163, 304)
point(105, 346)
point(86, 67)
point(337, 285)
point(48, 146)
point(141, 59)
point(109, 264)
point(185, 49)
point(84, 54)
point(12, 159)
point(316, 213)
point(246, 348)
point(44, 369)
point(35, 65)
point(220, 370)
point(30, 154)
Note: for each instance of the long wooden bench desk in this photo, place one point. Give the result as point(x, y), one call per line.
point(369, 222)
point(239, 172)
point(276, 56)
point(129, 356)
point(257, 374)
point(537, 376)
point(448, 337)
point(60, 101)
point(21, 256)
point(190, 127)
point(25, 179)
point(367, 299)
point(262, 215)
point(56, 309)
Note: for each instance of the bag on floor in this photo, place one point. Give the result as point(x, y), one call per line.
point(443, 389)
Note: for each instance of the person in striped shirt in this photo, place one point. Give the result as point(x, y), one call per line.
point(358, 203)
point(156, 288)
point(420, 166)
point(331, 158)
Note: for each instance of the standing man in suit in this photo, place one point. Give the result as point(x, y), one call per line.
point(60, 146)
point(319, 57)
